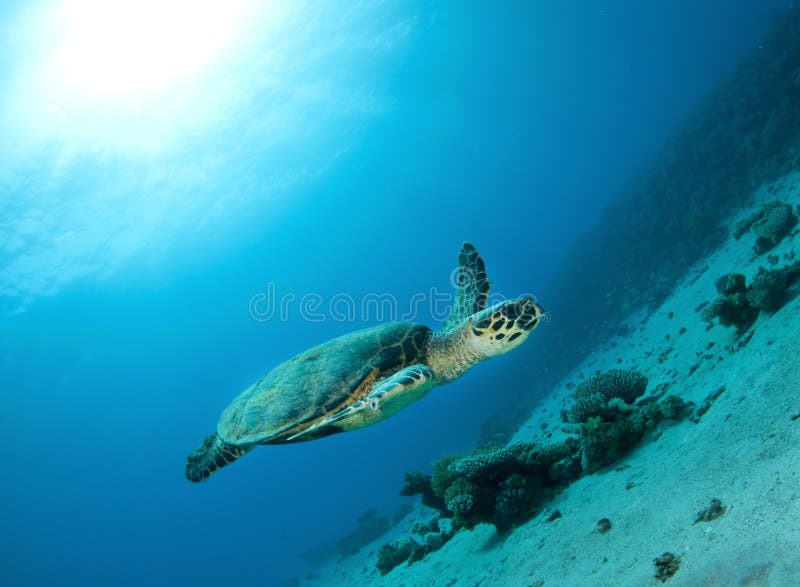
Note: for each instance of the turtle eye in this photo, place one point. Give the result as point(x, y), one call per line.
point(373, 403)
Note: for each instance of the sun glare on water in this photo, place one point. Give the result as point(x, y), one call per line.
point(119, 48)
point(127, 74)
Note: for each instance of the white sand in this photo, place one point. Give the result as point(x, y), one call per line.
point(745, 451)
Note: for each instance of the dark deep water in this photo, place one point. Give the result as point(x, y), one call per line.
point(344, 150)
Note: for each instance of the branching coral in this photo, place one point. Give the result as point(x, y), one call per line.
point(460, 497)
point(541, 458)
point(484, 464)
point(712, 309)
point(518, 497)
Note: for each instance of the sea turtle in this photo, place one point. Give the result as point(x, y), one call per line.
point(366, 376)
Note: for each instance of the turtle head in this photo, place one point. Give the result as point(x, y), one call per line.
point(503, 327)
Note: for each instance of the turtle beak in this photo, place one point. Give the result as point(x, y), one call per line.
point(531, 314)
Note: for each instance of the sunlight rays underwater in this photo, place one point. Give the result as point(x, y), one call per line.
point(157, 122)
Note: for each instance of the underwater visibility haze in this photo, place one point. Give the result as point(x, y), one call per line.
point(192, 193)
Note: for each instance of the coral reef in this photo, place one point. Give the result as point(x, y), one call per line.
point(433, 535)
point(507, 485)
point(732, 310)
point(738, 304)
point(592, 396)
point(666, 566)
point(417, 483)
point(423, 528)
point(770, 223)
point(774, 223)
point(731, 283)
point(711, 309)
point(608, 424)
point(460, 497)
point(486, 463)
point(603, 443)
point(605, 439)
point(731, 306)
point(768, 291)
point(517, 499)
point(501, 485)
point(392, 555)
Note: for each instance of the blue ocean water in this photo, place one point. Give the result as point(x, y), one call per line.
point(151, 192)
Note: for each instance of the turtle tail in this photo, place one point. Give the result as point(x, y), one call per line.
point(213, 454)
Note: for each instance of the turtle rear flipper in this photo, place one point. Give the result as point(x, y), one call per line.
point(472, 286)
point(210, 456)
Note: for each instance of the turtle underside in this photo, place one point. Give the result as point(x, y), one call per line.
point(320, 382)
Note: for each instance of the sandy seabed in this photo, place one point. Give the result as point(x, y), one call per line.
point(744, 451)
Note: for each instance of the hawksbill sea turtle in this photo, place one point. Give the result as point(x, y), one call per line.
point(364, 377)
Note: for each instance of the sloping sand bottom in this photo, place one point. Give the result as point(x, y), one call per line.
point(744, 451)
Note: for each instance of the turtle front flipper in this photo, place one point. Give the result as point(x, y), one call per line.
point(385, 399)
point(210, 456)
point(401, 389)
point(472, 286)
